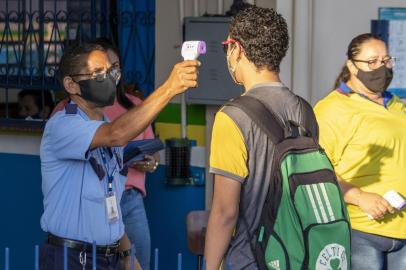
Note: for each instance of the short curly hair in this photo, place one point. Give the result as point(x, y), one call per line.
point(263, 34)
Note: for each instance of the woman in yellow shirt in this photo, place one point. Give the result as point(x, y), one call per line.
point(363, 130)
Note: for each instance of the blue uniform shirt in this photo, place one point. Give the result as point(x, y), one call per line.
point(74, 195)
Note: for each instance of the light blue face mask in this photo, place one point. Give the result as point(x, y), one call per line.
point(231, 70)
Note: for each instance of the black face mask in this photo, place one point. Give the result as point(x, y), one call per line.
point(376, 80)
point(101, 93)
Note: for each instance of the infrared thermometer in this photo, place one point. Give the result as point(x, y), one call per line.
point(192, 49)
point(394, 199)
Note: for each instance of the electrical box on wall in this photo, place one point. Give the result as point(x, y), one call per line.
point(215, 83)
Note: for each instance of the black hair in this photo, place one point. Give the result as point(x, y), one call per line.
point(236, 7)
point(122, 99)
point(75, 58)
point(107, 44)
point(354, 48)
point(263, 34)
point(37, 95)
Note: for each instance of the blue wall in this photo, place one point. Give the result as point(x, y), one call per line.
point(20, 208)
point(167, 207)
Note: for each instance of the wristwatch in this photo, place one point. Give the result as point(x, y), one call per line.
point(125, 253)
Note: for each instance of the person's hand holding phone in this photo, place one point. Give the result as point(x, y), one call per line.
point(148, 164)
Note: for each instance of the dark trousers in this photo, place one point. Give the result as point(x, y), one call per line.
point(51, 258)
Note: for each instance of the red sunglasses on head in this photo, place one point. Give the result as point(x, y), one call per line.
point(228, 42)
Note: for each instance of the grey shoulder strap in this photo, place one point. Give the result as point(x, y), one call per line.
point(263, 117)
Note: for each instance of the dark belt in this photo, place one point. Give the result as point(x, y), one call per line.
point(108, 250)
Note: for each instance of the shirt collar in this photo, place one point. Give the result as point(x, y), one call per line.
point(346, 90)
point(267, 84)
point(80, 112)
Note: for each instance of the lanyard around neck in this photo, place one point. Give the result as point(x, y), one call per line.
point(110, 175)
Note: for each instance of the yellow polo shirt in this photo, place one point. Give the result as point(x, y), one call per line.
point(228, 152)
point(366, 143)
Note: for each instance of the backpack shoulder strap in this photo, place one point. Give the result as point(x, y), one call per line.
point(259, 114)
point(309, 119)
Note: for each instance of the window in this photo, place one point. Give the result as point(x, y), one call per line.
point(33, 34)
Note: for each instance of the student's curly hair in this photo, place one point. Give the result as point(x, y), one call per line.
point(263, 34)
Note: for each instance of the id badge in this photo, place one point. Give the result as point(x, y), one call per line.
point(111, 207)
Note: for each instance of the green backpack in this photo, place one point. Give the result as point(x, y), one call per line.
point(304, 222)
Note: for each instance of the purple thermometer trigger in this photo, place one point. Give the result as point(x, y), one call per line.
point(402, 205)
point(202, 47)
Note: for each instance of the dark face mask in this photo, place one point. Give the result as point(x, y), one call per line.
point(376, 80)
point(101, 93)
